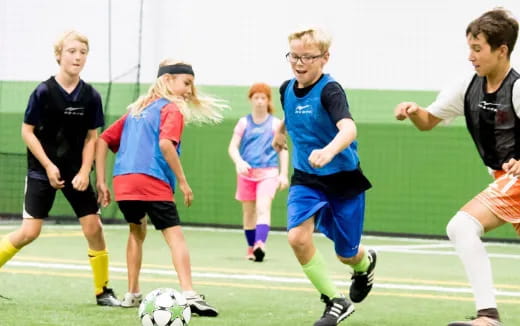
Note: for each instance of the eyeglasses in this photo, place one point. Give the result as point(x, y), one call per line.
point(305, 59)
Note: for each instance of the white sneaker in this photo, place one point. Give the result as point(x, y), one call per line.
point(131, 300)
point(199, 306)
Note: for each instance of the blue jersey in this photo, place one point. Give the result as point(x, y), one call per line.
point(310, 127)
point(256, 144)
point(139, 151)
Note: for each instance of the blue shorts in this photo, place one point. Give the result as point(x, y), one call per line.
point(340, 219)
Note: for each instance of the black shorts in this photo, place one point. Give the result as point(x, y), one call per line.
point(40, 195)
point(163, 214)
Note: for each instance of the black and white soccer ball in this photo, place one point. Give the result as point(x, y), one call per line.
point(164, 307)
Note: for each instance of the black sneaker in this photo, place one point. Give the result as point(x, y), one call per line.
point(199, 306)
point(107, 298)
point(362, 281)
point(335, 311)
point(259, 251)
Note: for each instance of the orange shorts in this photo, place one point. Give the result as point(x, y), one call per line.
point(502, 197)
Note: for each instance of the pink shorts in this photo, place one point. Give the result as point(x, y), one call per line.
point(249, 188)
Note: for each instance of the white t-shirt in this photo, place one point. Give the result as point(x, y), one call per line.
point(449, 104)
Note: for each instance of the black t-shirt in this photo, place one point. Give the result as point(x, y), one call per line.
point(343, 184)
point(61, 122)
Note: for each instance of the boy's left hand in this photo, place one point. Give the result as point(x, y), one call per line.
point(80, 181)
point(320, 157)
point(512, 167)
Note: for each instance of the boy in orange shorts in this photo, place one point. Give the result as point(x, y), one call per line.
point(490, 102)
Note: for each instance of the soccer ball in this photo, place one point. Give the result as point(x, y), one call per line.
point(164, 307)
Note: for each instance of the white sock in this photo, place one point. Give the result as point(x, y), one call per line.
point(189, 294)
point(464, 232)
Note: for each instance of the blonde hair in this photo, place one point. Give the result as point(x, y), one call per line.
point(72, 34)
point(313, 36)
point(198, 109)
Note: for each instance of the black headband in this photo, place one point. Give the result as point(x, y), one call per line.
point(178, 68)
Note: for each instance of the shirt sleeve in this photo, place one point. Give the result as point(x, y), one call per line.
point(98, 118)
point(282, 91)
point(276, 124)
point(449, 104)
point(516, 97)
point(334, 100)
point(112, 135)
point(33, 111)
point(172, 123)
point(240, 127)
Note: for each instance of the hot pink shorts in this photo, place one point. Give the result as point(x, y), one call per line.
point(252, 186)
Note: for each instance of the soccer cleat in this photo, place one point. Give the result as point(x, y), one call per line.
point(250, 255)
point(259, 251)
point(335, 311)
point(107, 298)
point(200, 307)
point(477, 321)
point(362, 281)
point(131, 300)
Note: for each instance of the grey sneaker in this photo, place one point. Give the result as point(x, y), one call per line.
point(336, 310)
point(362, 281)
point(477, 321)
point(200, 307)
point(107, 298)
point(131, 300)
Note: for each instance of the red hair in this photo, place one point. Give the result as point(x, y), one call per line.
point(262, 88)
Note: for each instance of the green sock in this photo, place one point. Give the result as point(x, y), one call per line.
point(317, 273)
point(362, 266)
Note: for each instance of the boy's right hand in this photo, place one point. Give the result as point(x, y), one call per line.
point(405, 109)
point(53, 173)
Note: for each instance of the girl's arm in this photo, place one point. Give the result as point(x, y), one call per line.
point(174, 162)
point(284, 169)
point(101, 186)
point(241, 166)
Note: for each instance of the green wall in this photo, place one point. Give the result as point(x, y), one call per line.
point(420, 179)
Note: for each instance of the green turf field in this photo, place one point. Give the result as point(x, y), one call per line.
point(49, 282)
point(419, 179)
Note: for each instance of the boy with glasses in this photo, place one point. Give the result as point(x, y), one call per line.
point(327, 188)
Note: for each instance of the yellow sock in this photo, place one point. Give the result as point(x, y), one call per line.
point(99, 263)
point(7, 251)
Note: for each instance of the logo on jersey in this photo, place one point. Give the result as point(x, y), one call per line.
point(74, 111)
point(488, 106)
point(303, 109)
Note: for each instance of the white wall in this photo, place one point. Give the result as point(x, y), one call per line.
point(388, 44)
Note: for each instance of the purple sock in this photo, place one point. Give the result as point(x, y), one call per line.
point(261, 232)
point(250, 237)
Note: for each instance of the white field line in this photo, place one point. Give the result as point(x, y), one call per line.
point(258, 277)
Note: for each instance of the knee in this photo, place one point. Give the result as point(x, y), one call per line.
point(297, 239)
point(462, 225)
point(93, 231)
point(138, 232)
